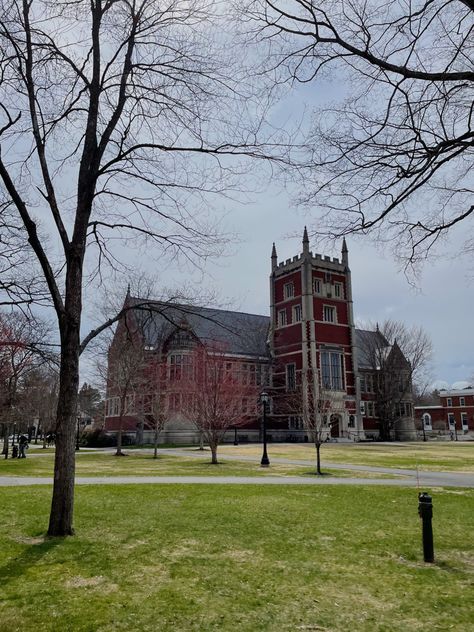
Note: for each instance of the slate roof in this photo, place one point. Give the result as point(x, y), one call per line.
point(237, 332)
point(368, 342)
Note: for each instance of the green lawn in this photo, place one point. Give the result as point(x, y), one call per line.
point(159, 558)
point(444, 455)
point(136, 464)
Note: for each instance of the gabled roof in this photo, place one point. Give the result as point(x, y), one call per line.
point(237, 332)
point(367, 344)
point(374, 351)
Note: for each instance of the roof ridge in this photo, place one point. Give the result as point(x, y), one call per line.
point(185, 305)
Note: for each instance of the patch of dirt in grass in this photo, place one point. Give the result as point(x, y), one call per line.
point(92, 582)
point(31, 541)
point(155, 572)
point(326, 538)
point(185, 548)
point(240, 555)
point(134, 545)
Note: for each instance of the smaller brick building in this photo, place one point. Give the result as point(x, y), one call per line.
point(453, 416)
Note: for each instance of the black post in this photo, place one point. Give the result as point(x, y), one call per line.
point(77, 435)
point(236, 439)
point(265, 461)
point(425, 511)
point(424, 433)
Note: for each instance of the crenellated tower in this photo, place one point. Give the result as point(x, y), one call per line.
point(312, 333)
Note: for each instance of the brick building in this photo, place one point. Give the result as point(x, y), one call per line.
point(454, 414)
point(307, 349)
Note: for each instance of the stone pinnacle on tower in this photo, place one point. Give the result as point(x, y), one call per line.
point(274, 257)
point(305, 242)
point(345, 253)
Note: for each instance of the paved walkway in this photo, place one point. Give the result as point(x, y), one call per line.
point(407, 478)
point(17, 481)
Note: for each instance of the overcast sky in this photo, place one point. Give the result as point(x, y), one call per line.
point(442, 303)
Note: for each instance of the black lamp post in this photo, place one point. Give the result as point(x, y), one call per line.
point(264, 401)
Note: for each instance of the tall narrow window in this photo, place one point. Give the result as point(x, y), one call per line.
point(338, 290)
point(464, 421)
point(288, 290)
point(282, 317)
point(451, 421)
point(290, 377)
point(297, 314)
point(329, 314)
point(317, 286)
point(462, 401)
point(449, 402)
point(332, 370)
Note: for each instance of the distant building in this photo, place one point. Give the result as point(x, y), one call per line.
point(454, 414)
point(309, 338)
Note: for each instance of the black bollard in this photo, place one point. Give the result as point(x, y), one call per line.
point(425, 511)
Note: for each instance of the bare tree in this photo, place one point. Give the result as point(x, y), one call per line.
point(125, 375)
point(38, 399)
point(393, 157)
point(140, 112)
point(24, 348)
point(316, 408)
point(214, 395)
point(397, 357)
point(155, 398)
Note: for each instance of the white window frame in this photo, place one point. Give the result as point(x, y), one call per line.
point(426, 419)
point(464, 421)
point(282, 318)
point(449, 402)
point(338, 290)
point(462, 401)
point(451, 420)
point(297, 313)
point(362, 408)
point(288, 290)
point(327, 366)
point(317, 285)
point(331, 309)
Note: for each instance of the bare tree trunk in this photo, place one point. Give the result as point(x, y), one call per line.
point(62, 505)
point(318, 458)
point(213, 447)
point(119, 452)
point(5, 440)
point(201, 440)
point(155, 446)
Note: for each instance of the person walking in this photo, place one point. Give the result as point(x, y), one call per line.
point(22, 444)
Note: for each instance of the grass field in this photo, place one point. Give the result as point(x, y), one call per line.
point(444, 455)
point(200, 558)
point(137, 464)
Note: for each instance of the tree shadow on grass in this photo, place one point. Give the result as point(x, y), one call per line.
point(30, 556)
